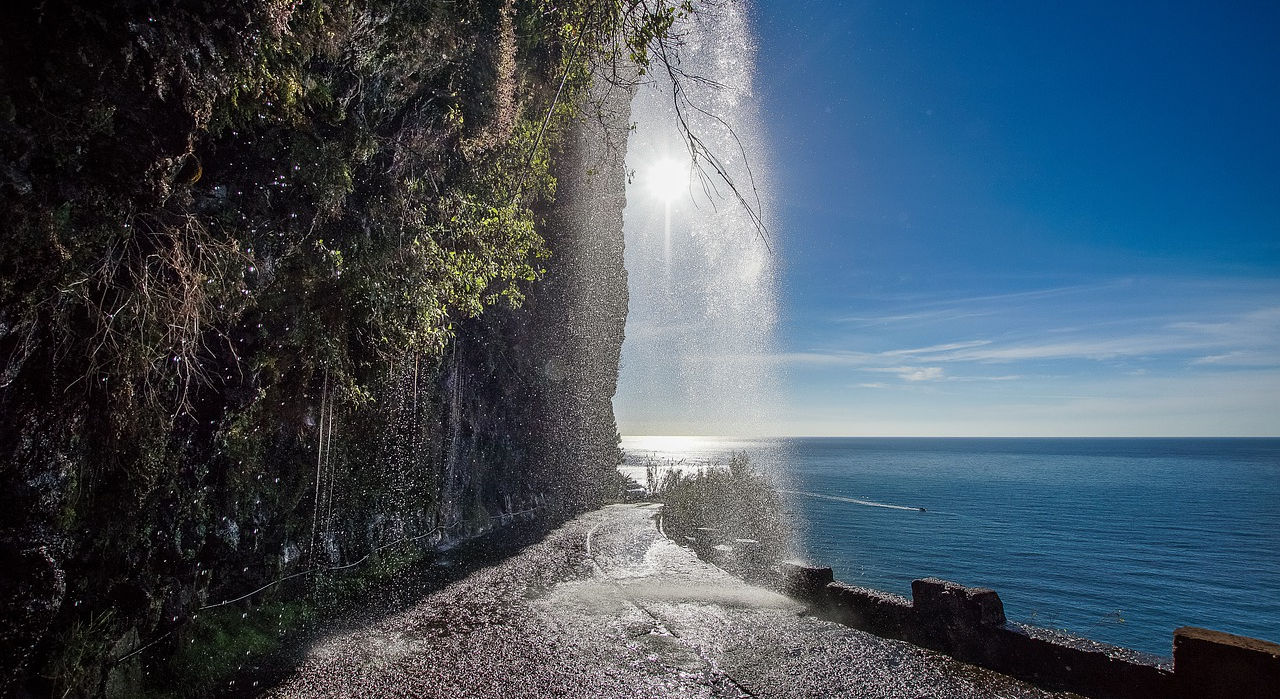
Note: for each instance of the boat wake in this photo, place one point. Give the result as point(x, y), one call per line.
point(854, 501)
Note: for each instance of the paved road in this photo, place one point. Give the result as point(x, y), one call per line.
point(606, 606)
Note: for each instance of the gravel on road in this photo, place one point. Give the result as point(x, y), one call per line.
point(606, 606)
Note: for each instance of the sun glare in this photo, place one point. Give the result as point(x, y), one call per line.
point(668, 179)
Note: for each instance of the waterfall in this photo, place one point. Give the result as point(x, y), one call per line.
point(703, 287)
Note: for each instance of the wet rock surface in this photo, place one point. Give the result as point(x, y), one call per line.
point(606, 606)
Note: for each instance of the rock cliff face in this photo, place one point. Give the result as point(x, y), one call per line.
point(535, 385)
point(253, 326)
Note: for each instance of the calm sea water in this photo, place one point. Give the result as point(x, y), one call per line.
point(1121, 540)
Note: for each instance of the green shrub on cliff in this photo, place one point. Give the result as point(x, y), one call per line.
point(731, 505)
point(216, 647)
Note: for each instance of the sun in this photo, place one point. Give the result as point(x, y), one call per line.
point(667, 179)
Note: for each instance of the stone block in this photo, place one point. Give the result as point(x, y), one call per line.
point(1060, 661)
point(953, 603)
point(880, 613)
point(804, 582)
point(1215, 664)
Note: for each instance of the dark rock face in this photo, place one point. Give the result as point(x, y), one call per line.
point(577, 336)
point(554, 362)
point(1213, 664)
point(35, 584)
point(286, 137)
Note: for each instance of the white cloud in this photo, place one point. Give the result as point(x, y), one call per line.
point(917, 317)
point(1093, 348)
point(929, 373)
point(911, 373)
point(1240, 358)
point(934, 349)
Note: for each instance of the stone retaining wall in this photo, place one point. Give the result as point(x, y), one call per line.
point(968, 624)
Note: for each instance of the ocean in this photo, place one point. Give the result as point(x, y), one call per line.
point(1119, 540)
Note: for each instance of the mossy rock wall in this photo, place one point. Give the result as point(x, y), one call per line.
point(281, 284)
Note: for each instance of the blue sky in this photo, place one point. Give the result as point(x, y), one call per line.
point(1024, 218)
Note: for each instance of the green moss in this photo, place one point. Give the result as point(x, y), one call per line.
point(221, 643)
point(340, 589)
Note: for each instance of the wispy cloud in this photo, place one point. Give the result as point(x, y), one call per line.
point(1244, 339)
point(914, 317)
point(920, 309)
point(1049, 292)
point(911, 373)
point(925, 300)
point(936, 349)
point(1245, 358)
point(929, 373)
point(1250, 338)
point(1085, 348)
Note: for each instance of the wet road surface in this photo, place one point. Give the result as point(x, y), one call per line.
point(606, 606)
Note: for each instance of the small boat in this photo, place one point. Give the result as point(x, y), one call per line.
point(922, 509)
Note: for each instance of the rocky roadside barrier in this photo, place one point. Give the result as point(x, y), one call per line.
point(969, 624)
